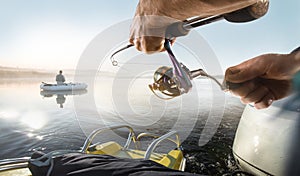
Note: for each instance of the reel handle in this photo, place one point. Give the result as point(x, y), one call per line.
point(180, 76)
point(225, 86)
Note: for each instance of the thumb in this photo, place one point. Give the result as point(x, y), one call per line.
point(244, 72)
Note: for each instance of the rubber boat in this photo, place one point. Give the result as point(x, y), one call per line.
point(172, 160)
point(63, 87)
point(267, 141)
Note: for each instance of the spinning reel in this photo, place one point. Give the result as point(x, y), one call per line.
point(170, 82)
point(173, 82)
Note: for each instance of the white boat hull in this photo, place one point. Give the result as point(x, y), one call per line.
point(63, 87)
point(267, 141)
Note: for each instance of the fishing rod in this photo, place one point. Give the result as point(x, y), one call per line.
point(170, 82)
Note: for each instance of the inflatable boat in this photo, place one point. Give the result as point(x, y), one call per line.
point(63, 87)
point(104, 158)
point(267, 141)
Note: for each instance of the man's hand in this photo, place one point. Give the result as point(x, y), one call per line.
point(263, 79)
point(148, 32)
point(152, 17)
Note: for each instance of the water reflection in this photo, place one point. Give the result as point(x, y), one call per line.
point(61, 95)
point(9, 114)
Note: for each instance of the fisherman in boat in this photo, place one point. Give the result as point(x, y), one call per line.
point(60, 78)
point(262, 79)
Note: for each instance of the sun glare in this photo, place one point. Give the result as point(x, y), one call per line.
point(35, 120)
point(9, 114)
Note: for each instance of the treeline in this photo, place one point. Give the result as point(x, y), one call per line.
point(23, 74)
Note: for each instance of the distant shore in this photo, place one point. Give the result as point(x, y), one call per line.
point(22, 74)
point(18, 73)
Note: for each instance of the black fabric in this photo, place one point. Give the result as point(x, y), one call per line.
point(78, 164)
point(35, 170)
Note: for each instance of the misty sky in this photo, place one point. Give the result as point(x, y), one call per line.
point(54, 33)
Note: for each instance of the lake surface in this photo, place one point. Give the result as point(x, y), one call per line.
point(206, 119)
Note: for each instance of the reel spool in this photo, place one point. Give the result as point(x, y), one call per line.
point(165, 83)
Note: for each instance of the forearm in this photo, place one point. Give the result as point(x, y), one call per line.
point(183, 9)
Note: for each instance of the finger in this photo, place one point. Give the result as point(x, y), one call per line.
point(137, 44)
point(245, 71)
point(172, 41)
point(279, 88)
point(245, 88)
point(131, 41)
point(255, 96)
point(265, 102)
point(146, 45)
point(151, 44)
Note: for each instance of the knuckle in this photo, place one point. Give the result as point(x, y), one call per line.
point(137, 45)
point(131, 40)
point(239, 92)
point(243, 92)
point(245, 101)
point(262, 104)
point(151, 44)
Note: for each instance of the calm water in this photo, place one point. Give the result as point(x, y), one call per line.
point(32, 120)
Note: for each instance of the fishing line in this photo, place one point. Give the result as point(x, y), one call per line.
point(112, 59)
